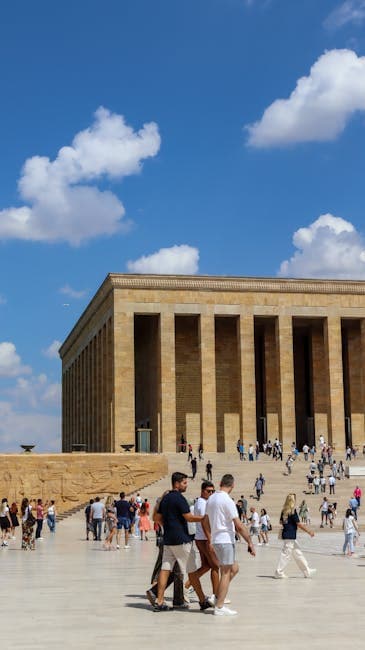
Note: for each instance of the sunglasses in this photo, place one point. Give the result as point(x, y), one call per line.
point(209, 490)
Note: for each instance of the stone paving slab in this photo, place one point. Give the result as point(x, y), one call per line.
point(70, 593)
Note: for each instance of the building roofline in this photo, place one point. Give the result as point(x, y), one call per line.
point(209, 283)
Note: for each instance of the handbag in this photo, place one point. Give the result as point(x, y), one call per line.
point(31, 520)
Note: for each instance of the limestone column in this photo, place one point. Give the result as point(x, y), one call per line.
point(320, 397)
point(124, 404)
point(248, 383)
point(207, 358)
point(284, 340)
point(333, 347)
point(167, 434)
point(109, 393)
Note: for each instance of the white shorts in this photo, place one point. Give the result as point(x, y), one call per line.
point(226, 554)
point(184, 554)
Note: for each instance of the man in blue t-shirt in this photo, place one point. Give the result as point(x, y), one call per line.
point(124, 520)
point(174, 514)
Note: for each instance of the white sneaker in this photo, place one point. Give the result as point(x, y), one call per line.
point(117, 546)
point(280, 576)
point(224, 611)
point(212, 600)
point(311, 573)
point(259, 544)
point(127, 546)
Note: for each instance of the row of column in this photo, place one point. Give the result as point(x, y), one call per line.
point(124, 412)
point(87, 389)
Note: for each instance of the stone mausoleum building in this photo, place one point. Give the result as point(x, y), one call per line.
point(215, 359)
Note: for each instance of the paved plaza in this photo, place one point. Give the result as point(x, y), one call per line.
point(70, 593)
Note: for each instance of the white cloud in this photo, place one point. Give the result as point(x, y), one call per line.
point(319, 107)
point(73, 293)
point(177, 260)
point(35, 391)
point(28, 428)
point(52, 395)
point(349, 11)
point(52, 351)
point(330, 247)
point(62, 205)
point(10, 361)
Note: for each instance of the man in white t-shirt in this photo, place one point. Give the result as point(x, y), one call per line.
point(220, 524)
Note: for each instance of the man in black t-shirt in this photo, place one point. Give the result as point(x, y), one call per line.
point(173, 514)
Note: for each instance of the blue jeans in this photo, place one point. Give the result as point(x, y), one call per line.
point(51, 521)
point(349, 541)
point(97, 523)
point(38, 531)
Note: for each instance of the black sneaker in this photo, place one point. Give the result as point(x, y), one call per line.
point(161, 608)
point(205, 605)
point(151, 596)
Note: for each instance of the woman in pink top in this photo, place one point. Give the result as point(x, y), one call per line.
point(358, 494)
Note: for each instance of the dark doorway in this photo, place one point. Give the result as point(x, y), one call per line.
point(146, 359)
point(303, 382)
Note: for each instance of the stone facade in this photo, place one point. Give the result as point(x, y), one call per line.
point(215, 359)
point(71, 479)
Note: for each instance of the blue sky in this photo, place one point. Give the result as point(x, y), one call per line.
point(206, 136)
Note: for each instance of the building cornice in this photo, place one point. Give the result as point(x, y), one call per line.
point(115, 281)
point(235, 284)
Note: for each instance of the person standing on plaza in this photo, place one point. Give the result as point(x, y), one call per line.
point(332, 484)
point(358, 495)
point(350, 527)
point(110, 523)
point(254, 520)
point(323, 508)
point(305, 450)
point(208, 470)
point(40, 517)
point(28, 523)
point(13, 512)
point(290, 523)
point(264, 526)
point(174, 514)
point(144, 521)
point(194, 467)
point(88, 525)
point(51, 516)
point(200, 451)
point(124, 521)
point(220, 524)
point(190, 453)
point(354, 504)
point(258, 488)
point(244, 508)
point(5, 522)
point(175, 577)
point(97, 516)
point(208, 558)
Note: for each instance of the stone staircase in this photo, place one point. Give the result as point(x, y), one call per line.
point(278, 483)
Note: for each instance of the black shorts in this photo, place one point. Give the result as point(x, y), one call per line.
point(4, 523)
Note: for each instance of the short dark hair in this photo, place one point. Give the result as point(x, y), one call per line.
point(227, 480)
point(122, 495)
point(207, 484)
point(97, 498)
point(177, 477)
